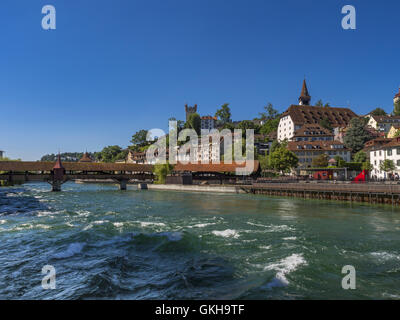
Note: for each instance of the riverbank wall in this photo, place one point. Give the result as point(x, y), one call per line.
point(368, 192)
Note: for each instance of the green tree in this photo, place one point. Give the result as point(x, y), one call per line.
point(110, 153)
point(360, 156)
point(269, 126)
point(246, 124)
point(283, 159)
point(270, 113)
point(194, 122)
point(319, 103)
point(367, 166)
point(139, 138)
point(387, 165)
point(378, 112)
point(161, 171)
point(264, 161)
point(224, 113)
point(320, 161)
point(356, 135)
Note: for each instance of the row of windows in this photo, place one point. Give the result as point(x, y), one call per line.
point(380, 161)
point(314, 139)
point(389, 152)
point(331, 153)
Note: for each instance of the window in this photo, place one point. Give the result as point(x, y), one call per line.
point(389, 152)
point(398, 163)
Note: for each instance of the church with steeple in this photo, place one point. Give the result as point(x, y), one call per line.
point(298, 117)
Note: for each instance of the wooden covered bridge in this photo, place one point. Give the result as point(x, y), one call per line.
point(59, 173)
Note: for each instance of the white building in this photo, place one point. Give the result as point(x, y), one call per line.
point(383, 123)
point(306, 151)
point(389, 151)
point(208, 122)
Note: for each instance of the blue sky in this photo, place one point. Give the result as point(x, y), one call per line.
point(114, 67)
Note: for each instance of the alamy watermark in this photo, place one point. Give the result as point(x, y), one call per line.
point(49, 20)
point(49, 280)
point(349, 281)
point(210, 147)
point(349, 20)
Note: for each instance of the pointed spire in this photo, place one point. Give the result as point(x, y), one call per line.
point(86, 158)
point(58, 164)
point(305, 97)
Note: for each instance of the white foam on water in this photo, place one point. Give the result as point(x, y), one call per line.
point(42, 226)
point(257, 224)
point(45, 213)
point(83, 213)
point(23, 226)
point(100, 221)
point(290, 238)
point(265, 247)
point(391, 296)
point(118, 224)
point(229, 233)
point(3, 221)
point(272, 228)
point(202, 225)
point(385, 256)
point(88, 227)
point(73, 249)
point(283, 267)
point(147, 224)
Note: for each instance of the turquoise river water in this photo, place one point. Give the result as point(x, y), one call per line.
point(111, 244)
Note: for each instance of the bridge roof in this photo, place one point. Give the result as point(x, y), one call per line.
point(23, 166)
point(214, 168)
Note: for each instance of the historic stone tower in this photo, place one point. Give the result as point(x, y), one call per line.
point(397, 97)
point(305, 98)
point(190, 110)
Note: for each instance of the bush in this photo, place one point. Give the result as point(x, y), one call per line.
point(161, 171)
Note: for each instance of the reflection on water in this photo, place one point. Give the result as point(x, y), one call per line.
point(105, 243)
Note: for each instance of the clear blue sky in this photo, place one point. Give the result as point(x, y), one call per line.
point(114, 67)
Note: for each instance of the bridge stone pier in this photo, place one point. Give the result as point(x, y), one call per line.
point(122, 184)
point(56, 185)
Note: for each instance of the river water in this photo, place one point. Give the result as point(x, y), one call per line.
point(111, 244)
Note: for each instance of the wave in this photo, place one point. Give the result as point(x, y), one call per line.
point(73, 249)
point(166, 241)
point(385, 256)
point(272, 227)
point(227, 233)
point(202, 225)
point(283, 267)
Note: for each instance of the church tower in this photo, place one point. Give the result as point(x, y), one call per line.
point(397, 97)
point(305, 98)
